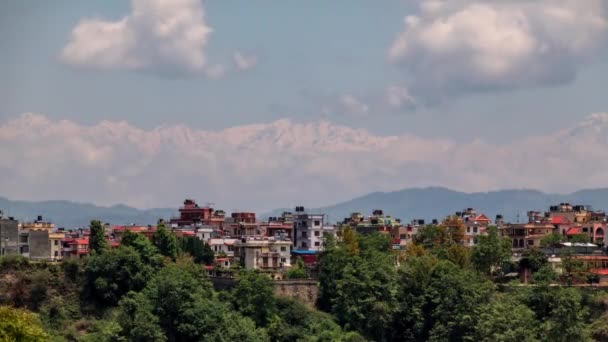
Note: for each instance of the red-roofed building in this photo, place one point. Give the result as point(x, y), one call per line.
point(75, 247)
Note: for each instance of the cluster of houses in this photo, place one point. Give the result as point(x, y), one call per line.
point(273, 244)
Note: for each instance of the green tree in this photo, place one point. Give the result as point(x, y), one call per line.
point(136, 319)
point(426, 236)
point(579, 238)
point(165, 241)
point(97, 240)
point(110, 275)
point(491, 251)
point(20, 325)
point(599, 328)
point(254, 297)
point(552, 240)
point(505, 320)
point(148, 252)
point(200, 251)
point(533, 259)
point(297, 271)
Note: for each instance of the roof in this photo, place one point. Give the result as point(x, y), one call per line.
point(79, 242)
point(481, 217)
point(574, 231)
point(304, 252)
point(586, 244)
point(599, 271)
point(559, 220)
point(222, 259)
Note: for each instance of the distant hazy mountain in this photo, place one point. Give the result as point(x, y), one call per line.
point(435, 202)
point(72, 215)
point(407, 204)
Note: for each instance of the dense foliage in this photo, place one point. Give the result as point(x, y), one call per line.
point(436, 290)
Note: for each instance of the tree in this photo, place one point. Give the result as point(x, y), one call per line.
point(350, 240)
point(97, 240)
point(599, 329)
point(200, 251)
point(165, 241)
point(505, 320)
point(533, 259)
point(148, 252)
point(136, 319)
point(20, 325)
point(254, 297)
point(110, 275)
point(551, 240)
point(426, 236)
point(579, 238)
point(298, 271)
point(491, 251)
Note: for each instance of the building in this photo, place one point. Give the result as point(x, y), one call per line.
point(475, 225)
point(191, 214)
point(75, 247)
point(309, 229)
point(377, 222)
point(263, 253)
point(223, 247)
point(9, 235)
point(35, 240)
point(527, 235)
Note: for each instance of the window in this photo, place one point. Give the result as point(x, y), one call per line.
point(283, 249)
point(304, 245)
point(304, 234)
point(56, 252)
point(283, 260)
point(317, 243)
point(317, 233)
point(230, 248)
point(402, 236)
point(56, 242)
point(317, 223)
point(474, 229)
point(530, 242)
point(468, 229)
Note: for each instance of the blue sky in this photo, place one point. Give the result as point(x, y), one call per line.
point(463, 70)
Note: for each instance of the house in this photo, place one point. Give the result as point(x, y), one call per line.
point(263, 253)
point(9, 235)
point(527, 235)
point(309, 230)
point(75, 247)
point(475, 225)
point(376, 222)
point(35, 240)
point(223, 246)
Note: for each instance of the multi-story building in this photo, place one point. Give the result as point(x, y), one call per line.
point(475, 225)
point(377, 222)
point(309, 230)
point(35, 240)
point(263, 253)
point(9, 235)
point(527, 235)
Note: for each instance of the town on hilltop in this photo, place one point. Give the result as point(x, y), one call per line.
point(276, 244)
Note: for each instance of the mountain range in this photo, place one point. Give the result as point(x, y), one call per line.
point(407, 204)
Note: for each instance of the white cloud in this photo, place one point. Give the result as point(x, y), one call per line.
point(346, 104)
point(244, 62)
point(463, 45)
point(168, 35)
point(399, 97)
point(278, 164)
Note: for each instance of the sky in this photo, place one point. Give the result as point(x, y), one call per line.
point(265, 104)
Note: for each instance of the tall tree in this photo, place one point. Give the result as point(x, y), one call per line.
point(165, 241)
point(97, 240)
point(491, 251)
point(254, 297)
point(20, 325)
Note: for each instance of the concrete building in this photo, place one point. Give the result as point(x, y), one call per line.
point(309, 230)
point(263, 253)
point(9, 235)
point(34, 239)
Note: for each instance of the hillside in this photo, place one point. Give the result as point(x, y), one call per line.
point(71, 214)
point(436, 202)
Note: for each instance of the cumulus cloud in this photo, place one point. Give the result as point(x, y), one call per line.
point(470, 45)
point(399, 97)
point(165, 35)
point(281, 163)
point(244, 62)
point(346, 104)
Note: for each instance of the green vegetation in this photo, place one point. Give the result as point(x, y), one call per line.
point(436, 290)
point(137, 293)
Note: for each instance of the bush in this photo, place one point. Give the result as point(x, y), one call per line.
point(13, 262)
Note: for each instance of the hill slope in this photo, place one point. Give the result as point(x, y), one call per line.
point(71, 215)
point(436, 202)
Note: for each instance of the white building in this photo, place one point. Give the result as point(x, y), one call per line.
point(222, 246)
point(308, 230)
point(263, 253)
